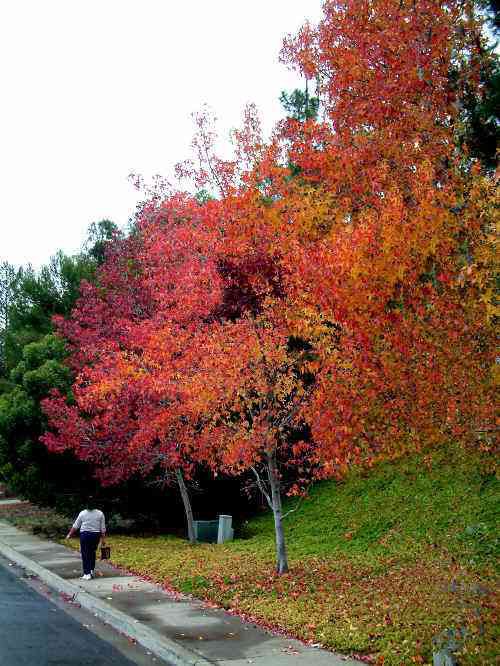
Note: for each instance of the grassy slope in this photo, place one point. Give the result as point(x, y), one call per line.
point(380, 564)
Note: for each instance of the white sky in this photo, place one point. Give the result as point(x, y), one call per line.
point(94, 89)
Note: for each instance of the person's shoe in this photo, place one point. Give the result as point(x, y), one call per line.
point(86, 577)
point(92, 573)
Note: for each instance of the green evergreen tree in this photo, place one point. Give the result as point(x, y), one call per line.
point(299, 104)
point(33, 364)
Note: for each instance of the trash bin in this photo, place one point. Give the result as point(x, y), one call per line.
point(206, 531)
point(214, 531)
point(225, 531)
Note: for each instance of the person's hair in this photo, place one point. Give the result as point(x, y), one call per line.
point(90, 502)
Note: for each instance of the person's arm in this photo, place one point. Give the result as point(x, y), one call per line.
point(76, 526)
point(103, 529)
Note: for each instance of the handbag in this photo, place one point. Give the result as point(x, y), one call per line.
point(105, 552)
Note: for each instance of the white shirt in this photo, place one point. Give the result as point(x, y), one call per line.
point(90, 521)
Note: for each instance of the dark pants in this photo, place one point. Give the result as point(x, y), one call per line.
point(88, 547)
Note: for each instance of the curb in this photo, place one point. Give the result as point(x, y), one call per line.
point(11, 501)
point(161, 647)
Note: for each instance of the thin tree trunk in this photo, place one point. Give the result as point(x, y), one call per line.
point(187, 505)
point(274, 482)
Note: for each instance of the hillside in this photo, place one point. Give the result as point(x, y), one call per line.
point(382, 563)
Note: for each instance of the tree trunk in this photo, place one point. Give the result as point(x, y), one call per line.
point(187, 505)
point(274, 482)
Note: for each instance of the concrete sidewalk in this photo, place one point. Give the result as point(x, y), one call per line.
point(179, 629)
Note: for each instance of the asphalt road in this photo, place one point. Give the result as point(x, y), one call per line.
point(36, 630)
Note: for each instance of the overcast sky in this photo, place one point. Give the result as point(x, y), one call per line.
point(93, 90)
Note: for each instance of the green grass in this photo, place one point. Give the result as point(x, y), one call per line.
point(450, 502)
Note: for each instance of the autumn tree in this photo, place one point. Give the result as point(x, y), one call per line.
point(128, 336)
point(402, 229)
point(252, 384)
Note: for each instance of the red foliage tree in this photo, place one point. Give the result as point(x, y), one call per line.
point(129, 335)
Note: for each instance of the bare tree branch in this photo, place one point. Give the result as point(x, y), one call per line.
point(262, 488)
point(293, 510)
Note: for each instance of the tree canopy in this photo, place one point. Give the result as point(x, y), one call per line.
point(333, 304)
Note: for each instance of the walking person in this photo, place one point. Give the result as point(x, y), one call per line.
point(92, 526)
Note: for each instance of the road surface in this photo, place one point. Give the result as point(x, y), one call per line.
point(40, 629)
